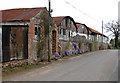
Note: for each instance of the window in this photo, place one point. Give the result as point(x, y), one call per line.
point(64, 32)
point(82, 27)
point(37, 32)
point(70, 24)
point(66, 22)
point(69, 33)
point(60, 30)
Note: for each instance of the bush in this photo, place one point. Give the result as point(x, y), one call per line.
point(75, 45)
point(67, 53)
point(101, 47)
point(79, 51)
point(74, 53)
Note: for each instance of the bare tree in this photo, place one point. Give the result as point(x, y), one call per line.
point(114, 27)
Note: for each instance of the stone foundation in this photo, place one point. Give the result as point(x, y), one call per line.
point(65, 46)
point(32, 52)
point(15, 63)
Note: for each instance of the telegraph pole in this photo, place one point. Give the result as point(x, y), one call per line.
point(102, 31)
point(49, 30)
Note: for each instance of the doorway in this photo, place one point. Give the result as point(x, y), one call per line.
point(54, 41)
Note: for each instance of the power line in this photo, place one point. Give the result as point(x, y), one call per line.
point(81, 11)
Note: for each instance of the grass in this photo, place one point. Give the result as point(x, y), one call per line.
point(77, 54)
point(117, 48)
point(19, 67)
point(9, 69)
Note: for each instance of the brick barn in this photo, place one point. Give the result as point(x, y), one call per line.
point(20, 29)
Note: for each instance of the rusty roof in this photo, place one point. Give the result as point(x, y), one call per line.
point(92, 30)
point(19, 14)
point(58, 19)
point(78, 25)
point(96, 31)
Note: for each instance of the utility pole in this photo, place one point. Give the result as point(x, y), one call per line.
point(49, 30)
point(102, 31)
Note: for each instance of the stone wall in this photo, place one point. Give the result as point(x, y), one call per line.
point(33, 56)
point(84, 46)
point(65, 46)
point(101, 46)
point(68, 46)
point(82, 43)
point(32, 52)
point(91, 46)
point(33, 47)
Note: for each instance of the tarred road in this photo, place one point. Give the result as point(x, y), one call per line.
point(93, 66)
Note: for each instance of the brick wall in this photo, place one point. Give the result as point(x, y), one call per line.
point(33, 48)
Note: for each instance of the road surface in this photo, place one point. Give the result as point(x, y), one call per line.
point(93, 66)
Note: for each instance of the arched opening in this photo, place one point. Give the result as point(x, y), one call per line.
point(54, 41)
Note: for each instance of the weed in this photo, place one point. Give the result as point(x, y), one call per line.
point(117, 48)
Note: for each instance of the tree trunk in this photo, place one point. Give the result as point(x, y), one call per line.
point(116, 41)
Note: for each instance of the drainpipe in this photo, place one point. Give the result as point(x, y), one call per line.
point(1, 45)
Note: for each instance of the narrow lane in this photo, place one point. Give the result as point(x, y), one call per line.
point(94, 66)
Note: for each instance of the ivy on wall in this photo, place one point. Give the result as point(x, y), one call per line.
point(43, 19)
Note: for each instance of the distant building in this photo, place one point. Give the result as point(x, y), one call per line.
point(66, 27)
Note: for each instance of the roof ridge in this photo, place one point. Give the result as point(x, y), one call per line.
point(24, 8)
point(58, 16)
point(20, 13)
point(97, 31)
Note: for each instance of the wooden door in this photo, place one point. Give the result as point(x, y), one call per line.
point(54, 42)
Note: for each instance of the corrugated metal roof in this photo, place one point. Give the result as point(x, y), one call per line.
point(96, 31)
point(20, 14)
point(58, 19)
point(78, 25)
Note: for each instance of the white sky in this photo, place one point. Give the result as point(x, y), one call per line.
point(98, 10)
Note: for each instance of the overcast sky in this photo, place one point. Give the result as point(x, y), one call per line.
point(89, 12)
